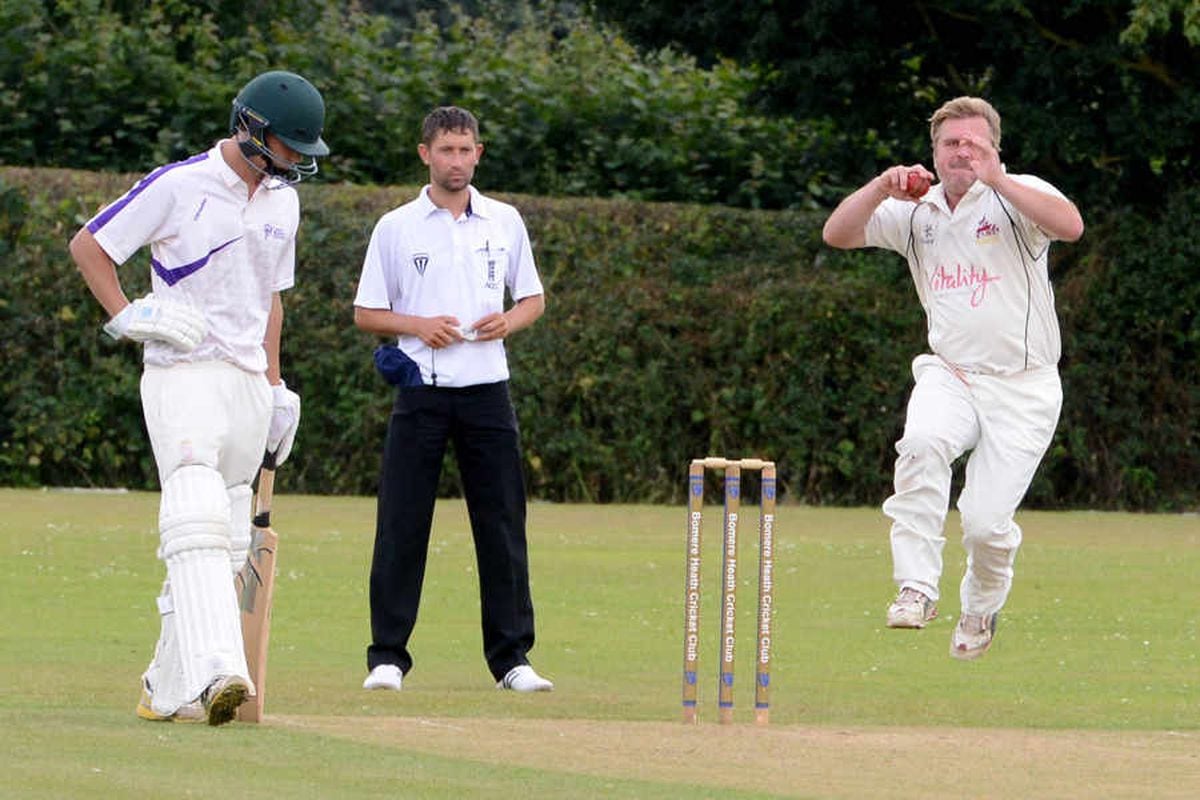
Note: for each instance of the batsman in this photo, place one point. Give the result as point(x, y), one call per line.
point(221, 227)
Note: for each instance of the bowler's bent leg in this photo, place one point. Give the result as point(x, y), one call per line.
point(939, 427)
point(1018, 415)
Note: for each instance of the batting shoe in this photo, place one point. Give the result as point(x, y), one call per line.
point(522, 678)
point(385, 676)
point(222, 698)
point(192, 712)
point(911, 609)
point(972, 636)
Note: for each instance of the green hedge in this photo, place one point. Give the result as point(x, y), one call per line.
point(671, 331)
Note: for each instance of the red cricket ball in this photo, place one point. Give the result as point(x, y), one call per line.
point(916, 185)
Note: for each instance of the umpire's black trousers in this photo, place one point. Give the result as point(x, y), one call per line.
point(482, 425)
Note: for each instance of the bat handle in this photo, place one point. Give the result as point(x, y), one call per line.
point(265, 491)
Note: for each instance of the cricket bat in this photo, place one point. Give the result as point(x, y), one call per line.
point(255, 585)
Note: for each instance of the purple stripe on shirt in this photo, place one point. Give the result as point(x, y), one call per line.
point(175, 275)
point(103, 218)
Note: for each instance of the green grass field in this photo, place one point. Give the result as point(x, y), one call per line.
point(1092, 688)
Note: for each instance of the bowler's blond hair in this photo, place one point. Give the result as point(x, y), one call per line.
point(963, 108)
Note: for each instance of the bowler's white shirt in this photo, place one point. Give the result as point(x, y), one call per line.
point(212, 247)
point(981, 273)
point(423, 262)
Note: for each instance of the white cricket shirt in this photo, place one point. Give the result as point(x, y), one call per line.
point(981, 273)
point(212, 248)
point(423, 262)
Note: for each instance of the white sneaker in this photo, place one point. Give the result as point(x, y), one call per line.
point(385, 676)
point(972, 635)
point(523, 679)
point(911, 609)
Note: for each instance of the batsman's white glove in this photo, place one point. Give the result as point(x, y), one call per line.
point(149, 317)
point(285, 418)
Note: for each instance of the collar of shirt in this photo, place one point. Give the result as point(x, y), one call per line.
point(477, 206)
point(229, 177)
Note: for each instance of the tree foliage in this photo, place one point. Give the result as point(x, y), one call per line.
point(567, 107)
point(762, 105)
point(751, 104)
point(1150, 18)
point(1102, 97)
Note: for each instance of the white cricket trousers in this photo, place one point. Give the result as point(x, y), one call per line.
point(208, 426)
point(1007, 421)
point(210, 413)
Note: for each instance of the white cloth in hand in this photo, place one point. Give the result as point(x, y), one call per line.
point(149, 317)
point(285, 418)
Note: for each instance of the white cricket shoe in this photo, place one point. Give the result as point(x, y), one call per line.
point(385, 676)
point(222, 698)
point(972, 635)
point(522, 678)
point(911, 609)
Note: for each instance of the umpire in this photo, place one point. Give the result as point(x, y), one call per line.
point(434, 276)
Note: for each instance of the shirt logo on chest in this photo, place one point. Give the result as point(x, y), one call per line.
point(420, 261)
point(986, 232)
point(274, 232)
point(486, 255)
point(971, 280)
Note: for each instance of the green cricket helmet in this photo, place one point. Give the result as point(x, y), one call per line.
point(289, 107)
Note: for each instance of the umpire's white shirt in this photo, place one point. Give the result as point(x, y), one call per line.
point(981, 273)
point(423, 262)
point(212, 247)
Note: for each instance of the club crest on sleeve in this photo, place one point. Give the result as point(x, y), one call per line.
point(421, 261)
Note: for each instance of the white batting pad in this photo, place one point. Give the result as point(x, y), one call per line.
point(241, 499)
point(194, 512)
point(164, 676)
point(194, 525)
